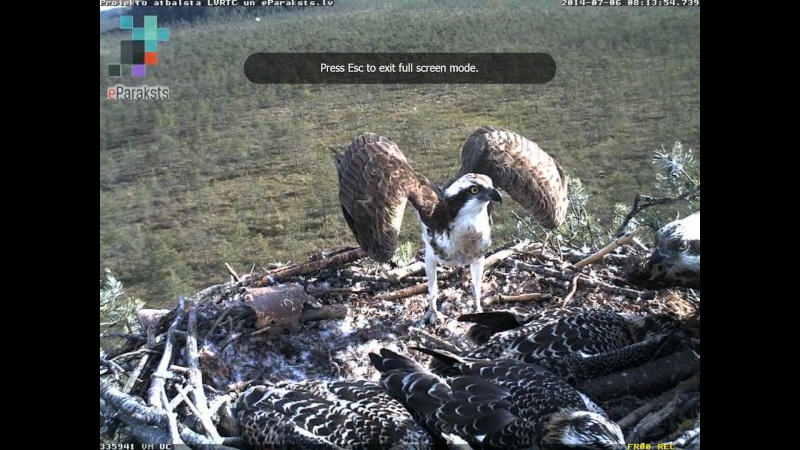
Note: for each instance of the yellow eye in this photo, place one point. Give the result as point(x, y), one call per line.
point(473, 190)
point(683, 246)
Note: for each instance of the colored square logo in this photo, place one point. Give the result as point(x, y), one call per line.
point(137, 70)
point(142, 48)
point(126, 22)
point(115, 70)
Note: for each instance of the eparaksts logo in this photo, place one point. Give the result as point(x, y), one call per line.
point(144, 92)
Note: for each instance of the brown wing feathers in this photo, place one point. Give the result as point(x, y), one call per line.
point(375, 181)
point(517, 165)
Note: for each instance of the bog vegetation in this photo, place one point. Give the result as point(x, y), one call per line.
point(229, 171)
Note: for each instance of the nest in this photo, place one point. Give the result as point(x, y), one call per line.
point(319, 320)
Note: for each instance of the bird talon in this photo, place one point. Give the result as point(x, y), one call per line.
point(432, 317)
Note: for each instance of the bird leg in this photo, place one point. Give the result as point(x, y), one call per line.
point(476, 270)
point(433, 314)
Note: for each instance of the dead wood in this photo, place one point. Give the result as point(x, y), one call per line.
point(232, 272)
point(325, 312)
point(531, 296)
point(161, 374)
point(437, 342)
point(676, 407)
point(285, 274)
point(402, 272)
point(641, 202)
point(636, 415)
point(646, 380)
point(403, 293)
point(609, 248)
point(196, 378)
point(497, 257)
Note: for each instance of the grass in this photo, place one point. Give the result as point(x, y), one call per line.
point(228, 171)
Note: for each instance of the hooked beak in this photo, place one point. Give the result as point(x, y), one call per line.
point(656, 257)
point(493, 194)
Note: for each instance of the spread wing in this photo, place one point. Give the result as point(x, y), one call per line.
point(375, 182)
point(517, 165)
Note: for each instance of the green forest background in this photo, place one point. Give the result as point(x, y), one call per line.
point(229, 171)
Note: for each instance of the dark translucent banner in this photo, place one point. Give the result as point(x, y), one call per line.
point(403, 68)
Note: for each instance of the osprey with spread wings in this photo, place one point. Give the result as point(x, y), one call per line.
point(376, 181)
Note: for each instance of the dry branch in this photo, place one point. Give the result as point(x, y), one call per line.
point(641, 202)
point(531, 296)
point(402, 272)
point(232, 272)
point(636, 415)
point(609, 248)
point(646, 380)
point(497, 257)
point(324, 313)
point(439, 342)
point(572, 289)
point(161, 374)
point(679, 404)
point(286, 273)
point(196, 378)
point(403, 293)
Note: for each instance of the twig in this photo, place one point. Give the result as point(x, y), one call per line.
point(132, 354)
point(679, 404)
point(196, 378)
point(172, 419)
point(610, 247)
point(403, 293)
point(637, 414)
point(572, 290)
point(495, 258)
point(232, 272)
point(134, 377)
point(114, 366)
point(582, 281)
point(532, 296)
point(161, 374)
point(441, 343)
point(178, 399)
point(641, 202)
point(341, 290)
point(217, 322)
point(402, 272)
point(287, 273)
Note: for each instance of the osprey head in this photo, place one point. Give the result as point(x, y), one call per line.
point(678, 244)
point(582, 429)
point(473, 187)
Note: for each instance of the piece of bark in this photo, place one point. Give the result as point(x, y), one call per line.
point(277, 306)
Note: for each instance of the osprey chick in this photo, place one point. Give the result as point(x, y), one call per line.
point(323, 415)
point(676, 259)
point(376, 181)
point(501, 404)
point(576, 343)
